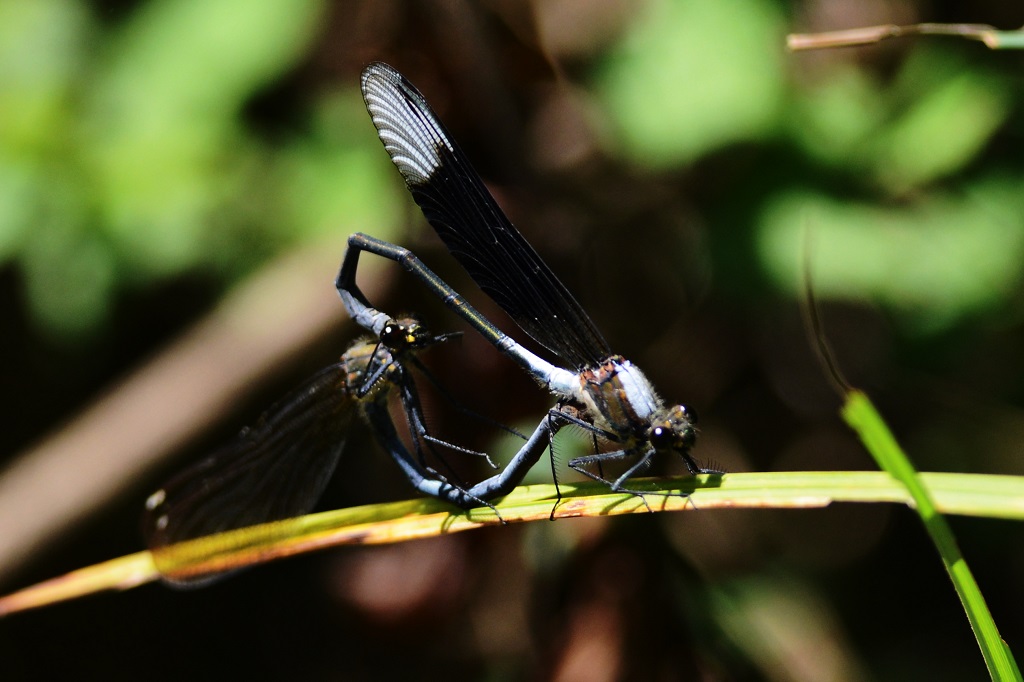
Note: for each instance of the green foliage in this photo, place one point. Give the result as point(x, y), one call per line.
point(956, 110)
point(942, 247)
point(939, 260)
point(929, 123)
point(126, 158)
point(691, 77)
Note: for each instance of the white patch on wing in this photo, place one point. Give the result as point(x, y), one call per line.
point(410, 134)
point(156, 499)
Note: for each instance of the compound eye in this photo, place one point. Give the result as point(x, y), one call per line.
point(395, 335)
point(661, 438)
point(689, 413)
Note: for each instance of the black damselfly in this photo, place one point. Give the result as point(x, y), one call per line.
point(278, 468)
point(598, 390)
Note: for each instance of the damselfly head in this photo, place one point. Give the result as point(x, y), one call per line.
point(408, 334)
point(404, 334)
point(674, 429)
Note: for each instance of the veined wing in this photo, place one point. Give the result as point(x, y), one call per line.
point(472, 226)
point(277, 469)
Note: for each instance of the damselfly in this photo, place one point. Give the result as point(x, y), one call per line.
point(279, 467)
point(597, 389)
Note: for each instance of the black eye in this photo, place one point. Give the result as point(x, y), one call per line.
point(689, 413)
point(661, 438)
point(394, 335)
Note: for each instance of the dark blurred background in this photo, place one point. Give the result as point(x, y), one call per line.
point(177, 181)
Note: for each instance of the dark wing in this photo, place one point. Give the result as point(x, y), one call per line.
point(473, 227)
point(275, 470)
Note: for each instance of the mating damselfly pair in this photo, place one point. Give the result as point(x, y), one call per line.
point(278, 468)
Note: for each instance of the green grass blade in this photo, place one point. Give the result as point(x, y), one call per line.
point(861, 415)
point(965, 494)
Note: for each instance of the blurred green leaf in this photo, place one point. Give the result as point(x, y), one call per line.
point(43, 47)
point(834, 117)
point(938, 260)
point(691, 77)
point(70, 277)
point(124, 156)
point(17, 190)
point(202, 57)
point(953, 111)
point(931, 123)
point(338, 179)
point(163, 132)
